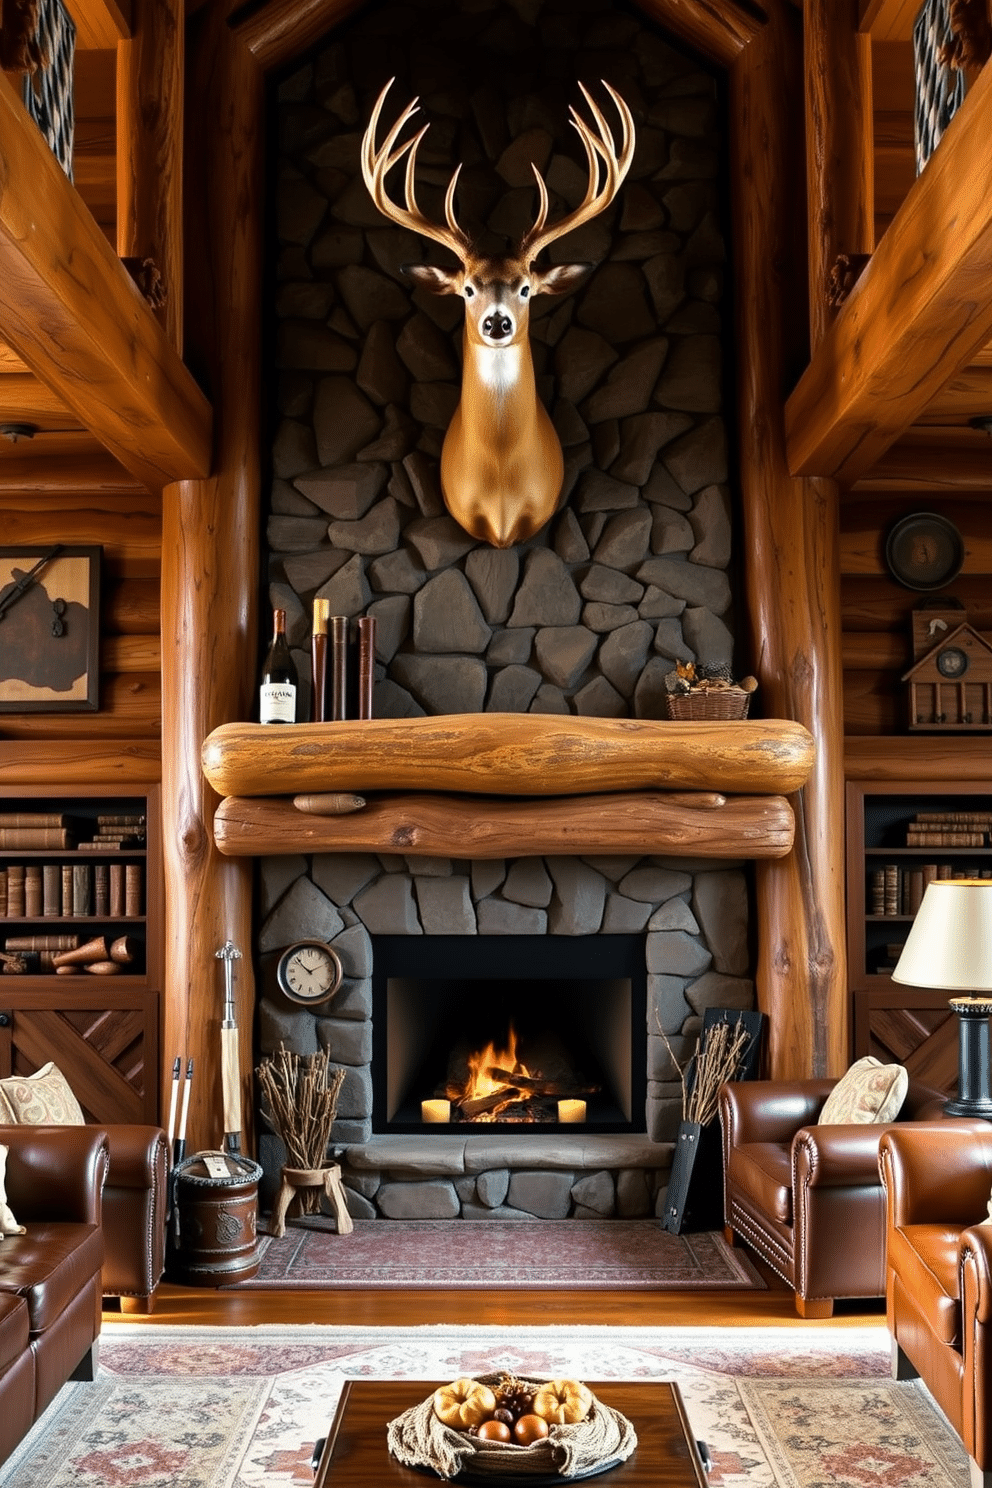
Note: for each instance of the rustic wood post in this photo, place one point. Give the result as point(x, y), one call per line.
point(210, 546)
point(149, 151)
point(791, 558)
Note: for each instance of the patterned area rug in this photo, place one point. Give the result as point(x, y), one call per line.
point(788, 1407)
point(619, 1255)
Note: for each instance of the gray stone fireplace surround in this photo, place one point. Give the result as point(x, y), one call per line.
point(694, 919)
point(630, 576)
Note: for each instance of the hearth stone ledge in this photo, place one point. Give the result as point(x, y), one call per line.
point(489, 1177)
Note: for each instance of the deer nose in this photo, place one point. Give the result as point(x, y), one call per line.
point(497, 325)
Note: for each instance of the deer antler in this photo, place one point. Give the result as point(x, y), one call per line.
point(599, 144)
point(376, 165)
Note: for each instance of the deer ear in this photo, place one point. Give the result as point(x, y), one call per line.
point(561, 278)
point(429, 276)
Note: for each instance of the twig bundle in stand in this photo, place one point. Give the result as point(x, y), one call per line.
point(300, 1099)
point(718, 1057)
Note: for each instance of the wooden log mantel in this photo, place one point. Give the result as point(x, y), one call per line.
point(690, 824)
point(508, 754)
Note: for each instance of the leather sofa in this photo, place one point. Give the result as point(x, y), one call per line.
point(938, 1295)
point(135, 1203)
point(808, 1199)
point(50, 1277)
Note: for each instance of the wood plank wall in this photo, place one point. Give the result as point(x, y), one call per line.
point(129, 529)
point(876, 611)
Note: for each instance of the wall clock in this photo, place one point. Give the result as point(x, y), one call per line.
point(309, 972)
point(952, 661)
point(924, 551)
point(49, 629)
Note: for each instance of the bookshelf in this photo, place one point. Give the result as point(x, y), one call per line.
point(900, 834)
point(81, 884)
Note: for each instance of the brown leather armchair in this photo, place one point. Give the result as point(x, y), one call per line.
point(808, 1199)
point(938, 1295)
point(135, 1200)
point(50, 1295)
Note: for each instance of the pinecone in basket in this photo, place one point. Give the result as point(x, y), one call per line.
point(514, 1395)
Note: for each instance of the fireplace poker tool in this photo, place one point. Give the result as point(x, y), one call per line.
point(177, 1069)
point(179, 1147)
point(230, 1074)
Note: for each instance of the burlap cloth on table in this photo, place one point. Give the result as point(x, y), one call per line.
point(417, 1438)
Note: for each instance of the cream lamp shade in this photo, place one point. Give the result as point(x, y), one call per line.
point(950, 942)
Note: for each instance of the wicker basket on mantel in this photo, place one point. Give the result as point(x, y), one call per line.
point(704, 704)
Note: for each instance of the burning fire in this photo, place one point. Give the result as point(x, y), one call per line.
point(486, 1092)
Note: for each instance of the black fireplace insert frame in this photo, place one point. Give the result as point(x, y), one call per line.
point(598, 958)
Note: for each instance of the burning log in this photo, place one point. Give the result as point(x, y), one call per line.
point(534, 1085)
point(478, 1105)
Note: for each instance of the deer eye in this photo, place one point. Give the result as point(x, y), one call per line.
point(469, 291)
point(524, 291)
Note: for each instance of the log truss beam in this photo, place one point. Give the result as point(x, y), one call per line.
point(699, 825)
point(70, 310)
point(918, 314)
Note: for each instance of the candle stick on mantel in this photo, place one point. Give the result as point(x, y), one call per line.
point(435, 1112)
point(571, 1111)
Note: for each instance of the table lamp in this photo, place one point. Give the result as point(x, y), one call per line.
point(950, 946)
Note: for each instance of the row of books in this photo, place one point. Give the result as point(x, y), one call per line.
point(950, 829)
point(72, 890)
point(30, 830)
point(893, 890)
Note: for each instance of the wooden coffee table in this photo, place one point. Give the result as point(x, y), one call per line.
point(355, 1453)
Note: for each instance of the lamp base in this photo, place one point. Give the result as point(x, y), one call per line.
point(978, 1106)
point(974, 1097)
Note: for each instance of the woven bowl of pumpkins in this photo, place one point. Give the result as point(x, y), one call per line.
point(504, 1426)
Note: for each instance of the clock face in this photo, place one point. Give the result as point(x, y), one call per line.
point(309, 972)
point(952, 662)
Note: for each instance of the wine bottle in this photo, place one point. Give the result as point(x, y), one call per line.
point(277, 693)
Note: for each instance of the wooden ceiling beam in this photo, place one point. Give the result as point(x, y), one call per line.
point(720, 29)
point(100, 24)
point(917, 315)
point(282, 29)
point(968, 395)
point(889, 20)
point(925, 462)
point(25, 400)
point(69, 308)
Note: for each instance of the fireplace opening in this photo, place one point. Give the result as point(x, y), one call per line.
point(538, 1033)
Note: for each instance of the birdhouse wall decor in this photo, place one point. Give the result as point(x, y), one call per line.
point(950, 688)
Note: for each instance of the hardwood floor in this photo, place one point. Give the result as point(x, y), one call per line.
point(772, 1308)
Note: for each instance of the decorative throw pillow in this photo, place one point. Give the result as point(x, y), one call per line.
point(41, 1099)
point(869, 1092)
point(8, 1224)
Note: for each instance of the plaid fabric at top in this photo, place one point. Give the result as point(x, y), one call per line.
point(939, 88)
point(48, 94)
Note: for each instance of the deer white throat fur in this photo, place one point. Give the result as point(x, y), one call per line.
point(501, 463)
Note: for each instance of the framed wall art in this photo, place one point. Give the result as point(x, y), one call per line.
point(49, 628)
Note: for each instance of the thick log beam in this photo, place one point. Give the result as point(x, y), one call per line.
point(69, 308)
point(507, 754)
point(840, 169)
point(918, 462)
point(917, 315)
point(720, 29)
point(282, 29)
point(210, 558)
point(150, 150)
point(25, 400)
point(792, 571)
point(486, 827)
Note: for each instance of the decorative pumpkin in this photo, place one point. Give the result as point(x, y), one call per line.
point(465, 1402)
point(563, 1402)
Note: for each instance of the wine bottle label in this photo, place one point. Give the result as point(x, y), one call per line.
point(277, 702)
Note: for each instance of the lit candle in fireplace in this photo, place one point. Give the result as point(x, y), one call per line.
point(571, 1110)
point(435, 1111)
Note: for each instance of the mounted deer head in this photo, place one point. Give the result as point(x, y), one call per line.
point(501, 463)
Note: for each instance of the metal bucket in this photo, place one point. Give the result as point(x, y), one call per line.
point(212, 1239)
